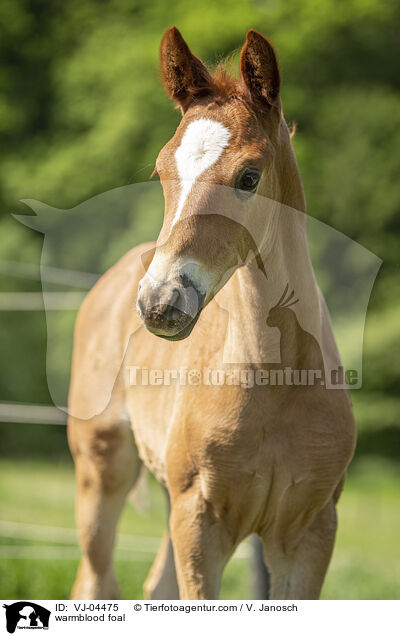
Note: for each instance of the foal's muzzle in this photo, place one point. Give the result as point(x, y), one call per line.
point(169, 310)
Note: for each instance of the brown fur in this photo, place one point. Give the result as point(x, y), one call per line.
point(233, 460)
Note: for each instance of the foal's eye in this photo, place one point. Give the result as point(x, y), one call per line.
point(248, 180)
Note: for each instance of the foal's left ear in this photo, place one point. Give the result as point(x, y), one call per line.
point(259, 69)
point(183, 74)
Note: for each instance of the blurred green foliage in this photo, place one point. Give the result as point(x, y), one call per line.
point(82, 111)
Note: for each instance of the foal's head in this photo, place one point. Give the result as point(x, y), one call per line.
point(231, 145)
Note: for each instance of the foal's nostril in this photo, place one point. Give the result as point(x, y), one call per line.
point(140, 305)
point(171, 308)
point(172, 313)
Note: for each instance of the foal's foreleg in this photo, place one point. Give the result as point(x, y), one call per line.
point(299, 573)
point(201, 543)
point(107, 466)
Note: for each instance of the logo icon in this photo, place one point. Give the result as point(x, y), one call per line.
point(26, 615)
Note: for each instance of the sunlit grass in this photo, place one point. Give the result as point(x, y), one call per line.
point(366, 561)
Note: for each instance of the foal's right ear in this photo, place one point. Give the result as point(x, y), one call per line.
point(183, 74)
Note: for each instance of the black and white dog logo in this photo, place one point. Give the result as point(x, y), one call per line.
point(26, 615)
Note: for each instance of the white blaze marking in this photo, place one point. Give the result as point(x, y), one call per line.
point(201, 146)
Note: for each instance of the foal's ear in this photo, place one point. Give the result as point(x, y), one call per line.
point(259, 69)
point(183, 74)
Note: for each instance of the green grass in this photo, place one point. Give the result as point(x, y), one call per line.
point(366, 563)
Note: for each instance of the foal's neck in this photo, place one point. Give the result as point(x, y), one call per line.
point(249, 296)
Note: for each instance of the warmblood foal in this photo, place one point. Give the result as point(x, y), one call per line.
point(234, 460)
